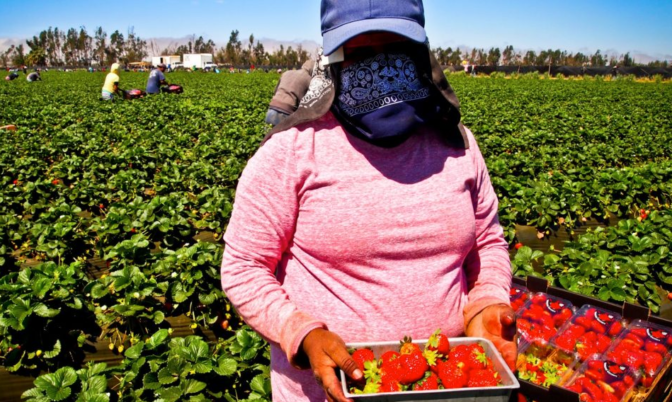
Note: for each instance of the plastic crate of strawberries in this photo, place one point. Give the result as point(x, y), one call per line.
point(590, 331)
point(645, 347)
point(541, 317)
point(602, 380)
point(542, 365)
point(518, 295)
point(438, 368)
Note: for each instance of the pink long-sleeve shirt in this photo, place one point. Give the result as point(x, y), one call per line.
point(372, 243)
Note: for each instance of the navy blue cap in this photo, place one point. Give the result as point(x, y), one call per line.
point(344, 19)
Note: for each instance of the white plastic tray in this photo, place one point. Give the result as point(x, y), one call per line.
point(500, 393)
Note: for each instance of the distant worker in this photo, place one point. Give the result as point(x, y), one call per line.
point(34, 76)
point(111, 85)
point(156, 79)
point(12, 76)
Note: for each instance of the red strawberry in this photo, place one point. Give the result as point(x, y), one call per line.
point(483, 378)
point(584, 321)
point(388, 357)
point(669, 295)
point(407, 346)
point(593, 390)
point(439, 343)
point(413, 367)
point(54, 182)
point(459, 354)
point(360, 356)
point(615, 328)
point(632, 358)
point(602, 343)
point(16, 182)
point(477, 360)
point(452, 375)
point(653, 346)
point(390, 386)
point(429, 382)
point(619, 388)
point(518, 245)
point(652, 362)
point(631, 342)
point(639, 332)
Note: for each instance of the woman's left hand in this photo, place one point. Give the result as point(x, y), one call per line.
point(498, 324)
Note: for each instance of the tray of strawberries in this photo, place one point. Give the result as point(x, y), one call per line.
point(602, 380)
point(541, 317)
point(645, 347)
point(518, 295)
point(590, 331)
point(435, 369)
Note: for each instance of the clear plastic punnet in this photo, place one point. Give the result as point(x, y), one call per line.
point(601, 379)
point(645, 347)
point(591, 330)
point(543, 365)
point(541, 317)
point(518, 296)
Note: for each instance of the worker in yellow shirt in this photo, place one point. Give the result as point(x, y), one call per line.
point(111, 85)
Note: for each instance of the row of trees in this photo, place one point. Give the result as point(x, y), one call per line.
point(55, 47)
point(76, 47)
point(237, 53)
point(510, 57)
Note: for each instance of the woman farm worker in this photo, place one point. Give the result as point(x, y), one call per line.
point(367, 214)
point(111, 85)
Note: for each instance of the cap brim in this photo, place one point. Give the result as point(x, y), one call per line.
point(332, 40)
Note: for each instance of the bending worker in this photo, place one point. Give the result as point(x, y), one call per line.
point(156, 79)
point(111, 85)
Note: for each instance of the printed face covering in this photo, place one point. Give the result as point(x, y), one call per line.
point(384, 96)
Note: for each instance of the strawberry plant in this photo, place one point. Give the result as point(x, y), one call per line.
point(89, 383)
point(44, 321)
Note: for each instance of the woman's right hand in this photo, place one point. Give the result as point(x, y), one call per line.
point(326, 351)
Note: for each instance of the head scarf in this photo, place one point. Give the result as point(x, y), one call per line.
point(114, 69)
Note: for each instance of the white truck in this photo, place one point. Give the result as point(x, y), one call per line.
point(167, 60)
point(198, 60)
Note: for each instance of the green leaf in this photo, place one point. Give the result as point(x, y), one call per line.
point(166, 377)
point(151, 381)
point(226, 366)
point(55, 351)
point(134, 351)
point(44, 311)
point(57, 385)
point(191, 386)
point(93, 396)
point(604, 293)
point(618, 294)
point(157, 338)
point(171, 394)
point(97, 384)
point(261, 385)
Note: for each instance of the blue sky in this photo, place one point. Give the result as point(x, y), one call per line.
point(617, 25)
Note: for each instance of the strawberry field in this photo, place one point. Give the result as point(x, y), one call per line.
point(111, 216)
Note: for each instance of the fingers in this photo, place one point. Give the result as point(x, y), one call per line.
point(342, 358)
point(507, 318)
point(326, 377)
point(509, 352)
